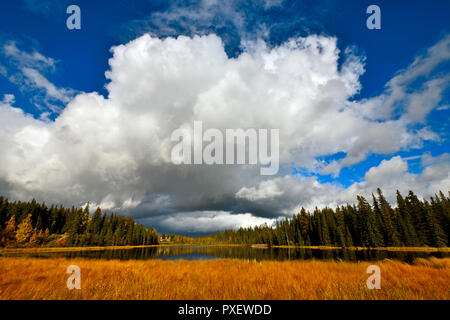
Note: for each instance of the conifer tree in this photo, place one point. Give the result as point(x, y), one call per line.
point(370, 235)
point(95, 224)
point(408, 234)
point(441, 208)
point(436, 236)
point(391, 236)
point(348, 238)
point(418, 212)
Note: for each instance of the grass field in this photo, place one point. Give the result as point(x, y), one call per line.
point(29, 278)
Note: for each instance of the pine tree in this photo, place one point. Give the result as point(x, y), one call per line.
point(303, 220)
point(324, 235)
point(75, 227)
point(435, 234)
point(95, 224)
point(441, 209)
point(341, 229)
point(408, 234)
point(418, 213)
point(391, 236)
point(348, 238)
point(370, 235)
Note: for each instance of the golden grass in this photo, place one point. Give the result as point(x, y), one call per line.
point(433, 263)
point(30, 278)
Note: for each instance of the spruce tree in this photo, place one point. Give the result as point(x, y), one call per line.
point(418, 213)
point(407, 231)
point(436, 236)
point(391, 236)
point(369, 233)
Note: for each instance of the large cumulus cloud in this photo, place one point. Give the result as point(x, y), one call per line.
point(115, 151)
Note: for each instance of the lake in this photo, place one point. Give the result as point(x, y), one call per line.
point(209, 252)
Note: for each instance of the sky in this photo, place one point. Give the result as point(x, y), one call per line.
point(87, 115)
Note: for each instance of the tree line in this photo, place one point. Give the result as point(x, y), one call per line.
point(32, 223)
point(413, 222)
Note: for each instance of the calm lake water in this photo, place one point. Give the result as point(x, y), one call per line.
point(237, 252)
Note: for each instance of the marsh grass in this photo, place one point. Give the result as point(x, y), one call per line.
point(30, 278)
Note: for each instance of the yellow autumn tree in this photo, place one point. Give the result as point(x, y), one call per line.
point(24, 230)
point(33, 239)
point(9, 232)
point(11, 225)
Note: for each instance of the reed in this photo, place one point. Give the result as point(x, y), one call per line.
point(30, 278)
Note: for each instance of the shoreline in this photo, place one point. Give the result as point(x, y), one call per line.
point(102, 248)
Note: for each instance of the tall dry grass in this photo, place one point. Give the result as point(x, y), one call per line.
point(28, 278)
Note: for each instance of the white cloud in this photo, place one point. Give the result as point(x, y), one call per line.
point(413, 93)
point(39, 81)
point(115, 151)
point(210, 221)
point(33, 60)
point(200, 18)
point(28, 70)
point(266, 190)
point(390, 175)
point(392, 169)
point(9, 99)
point(393, 174)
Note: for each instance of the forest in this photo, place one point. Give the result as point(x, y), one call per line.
point(413, 223)
point(29, 224)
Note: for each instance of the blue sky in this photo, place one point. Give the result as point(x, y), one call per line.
point(80, 59)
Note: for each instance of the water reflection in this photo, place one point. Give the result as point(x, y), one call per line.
point(237, 252)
